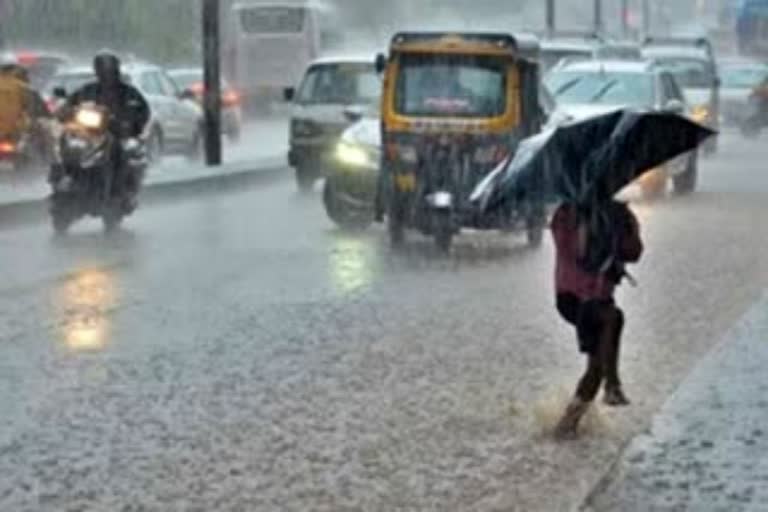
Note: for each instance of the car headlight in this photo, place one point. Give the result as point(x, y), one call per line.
point(353, 155)
point(700, 113)
point(89, 118)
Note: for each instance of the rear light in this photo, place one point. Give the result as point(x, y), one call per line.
point(27, 58)
point(7, 147)
point(197, 88)
point(230, 99)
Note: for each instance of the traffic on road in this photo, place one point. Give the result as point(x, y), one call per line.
point(457, 257)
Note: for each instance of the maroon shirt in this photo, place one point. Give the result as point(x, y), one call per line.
point(570, 277)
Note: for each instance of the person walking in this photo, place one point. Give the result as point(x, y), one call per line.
point(593, 246)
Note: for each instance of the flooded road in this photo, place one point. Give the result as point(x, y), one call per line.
point(238, 353)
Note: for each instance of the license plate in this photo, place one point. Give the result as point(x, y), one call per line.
point(405, 182)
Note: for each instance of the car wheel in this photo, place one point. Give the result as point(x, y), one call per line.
point(685, 183)
point(155, 147)
point(235, 134)
point(195, 151)
point(305, 178)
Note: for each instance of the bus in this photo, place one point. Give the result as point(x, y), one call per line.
point(268, 44)
point(752, 27)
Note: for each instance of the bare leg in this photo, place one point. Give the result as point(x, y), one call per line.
point(614, 395)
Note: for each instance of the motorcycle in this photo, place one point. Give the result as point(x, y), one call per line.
point(84, 177)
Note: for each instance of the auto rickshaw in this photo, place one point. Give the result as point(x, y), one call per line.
point(454, 108)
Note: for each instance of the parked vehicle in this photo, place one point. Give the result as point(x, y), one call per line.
point(41, 65)
point(692, 62)
point(176, 127)
point(190, 80)
point(334, 93)
point(589, 88)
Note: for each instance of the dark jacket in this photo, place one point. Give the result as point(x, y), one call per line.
point(130, 111)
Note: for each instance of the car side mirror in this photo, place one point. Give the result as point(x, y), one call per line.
point(187, 94)
point(718, 82)
point(60, 93)
point(289, 94)
point(381, 63)
point(354, 114)
point(675, 107)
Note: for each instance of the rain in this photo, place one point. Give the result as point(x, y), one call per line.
point(399, 255)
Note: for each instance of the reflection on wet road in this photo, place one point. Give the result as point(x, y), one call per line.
point(238, 352)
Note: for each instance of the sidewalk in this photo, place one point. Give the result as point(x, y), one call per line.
point(264, 145)
point(708, 448)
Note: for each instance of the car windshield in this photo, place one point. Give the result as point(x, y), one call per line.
point(69, 82)
point(340, 83)
point(743, 77)
point(689, 72)
point(190, 79)
point(457, 86)
point(551, 57)
point(602, 87)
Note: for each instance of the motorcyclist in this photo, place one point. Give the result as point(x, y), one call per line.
point(128, 109)
point(22, 107)
point(39, 116)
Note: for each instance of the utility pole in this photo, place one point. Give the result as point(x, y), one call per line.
point(646, 18)
point(625, 18)
point(212, 81)
point(598, 16)
point(550, 17)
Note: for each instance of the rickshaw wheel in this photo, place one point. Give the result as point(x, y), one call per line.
point(444, 232)
point(396, 223)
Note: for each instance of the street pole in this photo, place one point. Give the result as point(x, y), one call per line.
point(212, 82)
point(550, 17)
point(598, 16)
point(625, 18)
point(646, 18)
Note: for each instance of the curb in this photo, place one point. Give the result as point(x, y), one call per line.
point(233, 177)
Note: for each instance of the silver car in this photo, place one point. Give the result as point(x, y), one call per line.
point(176, 126)
point(590, 88)
point(739, 78)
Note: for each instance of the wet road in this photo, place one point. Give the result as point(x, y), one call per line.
point(238, 353)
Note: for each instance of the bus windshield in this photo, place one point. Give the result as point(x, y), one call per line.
point(272, 20)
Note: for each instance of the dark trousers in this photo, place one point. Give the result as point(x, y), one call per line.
point(599, 325)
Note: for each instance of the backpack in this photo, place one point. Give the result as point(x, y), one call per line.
point(612, 241)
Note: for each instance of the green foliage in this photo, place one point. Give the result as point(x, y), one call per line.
point(162, 30)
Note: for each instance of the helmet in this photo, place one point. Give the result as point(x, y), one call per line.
point(8, 61)
point(106, 65)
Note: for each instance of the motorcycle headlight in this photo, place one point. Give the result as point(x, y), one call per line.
point(353, 155)
point(88, 118)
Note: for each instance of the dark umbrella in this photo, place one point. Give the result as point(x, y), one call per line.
point(592, 158)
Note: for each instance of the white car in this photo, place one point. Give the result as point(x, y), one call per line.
point(739, 78)
point(176, 123)
point(590, 88)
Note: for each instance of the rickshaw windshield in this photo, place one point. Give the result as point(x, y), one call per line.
point(451, 86)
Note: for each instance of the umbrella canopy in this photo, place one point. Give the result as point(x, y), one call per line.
point(590, 159)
